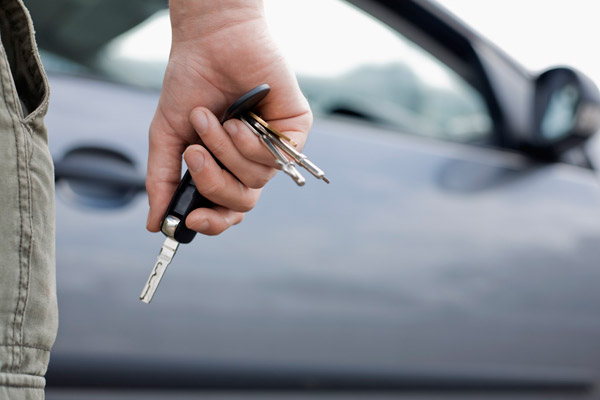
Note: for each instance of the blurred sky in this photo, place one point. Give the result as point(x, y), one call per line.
point(538, 33)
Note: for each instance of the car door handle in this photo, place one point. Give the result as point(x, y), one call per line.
point(98, 176)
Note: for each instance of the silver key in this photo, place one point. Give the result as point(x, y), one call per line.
point(166, 254)
point(286, 165)
point(283, 142)
point(300, 158)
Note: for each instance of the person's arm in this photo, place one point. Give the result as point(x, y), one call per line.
point(220, 50)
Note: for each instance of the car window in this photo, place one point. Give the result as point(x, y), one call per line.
point(351, 63)
point(347, 63)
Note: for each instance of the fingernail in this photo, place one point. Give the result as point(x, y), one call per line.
point(199, 120)
point(231, 127)
point(194, 160)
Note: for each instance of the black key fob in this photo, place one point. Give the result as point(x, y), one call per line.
point(186, 197)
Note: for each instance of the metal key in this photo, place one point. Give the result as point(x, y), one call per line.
point(283, 142)
point(167, 251)
point(301, 159)
point(286, 165)
point(270, 130)
point(185, 200)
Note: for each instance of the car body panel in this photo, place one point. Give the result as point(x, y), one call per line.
point(420, 256)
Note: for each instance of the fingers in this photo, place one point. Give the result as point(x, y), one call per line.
point(213, 221)
point(235, 146)
point(254, 168)
point(164, 170)
point(288, 111)
point(216, 184)
point(295, 128)
point(247, 143)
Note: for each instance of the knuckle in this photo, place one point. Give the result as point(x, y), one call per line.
point(218, 146)
point(245, 207)
point(152, 188)
point(251, 149)
point(244, 204)
point(257, 181)
point(149, 188)
point(212, 187)
point(248, 202)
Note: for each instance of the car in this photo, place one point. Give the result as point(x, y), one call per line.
point(455, 251)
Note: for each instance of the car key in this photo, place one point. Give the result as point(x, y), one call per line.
point(187, 198)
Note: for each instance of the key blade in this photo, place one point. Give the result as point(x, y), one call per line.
point(167, 251)
point(301, 159)
point(291, 170)
point(313, 169)
point(286, 165)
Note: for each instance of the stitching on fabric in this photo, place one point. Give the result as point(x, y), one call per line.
point(27, 268)
point(21, 386)
point(26, 346)
point(30, 139)
point(7, 101)
point(17, 320)
point(35, 382)
point(17, 16)
point(16, 354)
point(15, 13)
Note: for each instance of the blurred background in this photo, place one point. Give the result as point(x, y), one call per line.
point(454, 253)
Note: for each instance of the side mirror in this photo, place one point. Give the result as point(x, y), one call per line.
point(566, 111)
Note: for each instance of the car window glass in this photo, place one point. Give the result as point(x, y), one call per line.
point(350, 63)
point(347, 63)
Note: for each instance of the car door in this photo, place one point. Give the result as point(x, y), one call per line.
point(438, 259)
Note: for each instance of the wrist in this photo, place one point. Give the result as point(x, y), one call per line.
point(196, 19)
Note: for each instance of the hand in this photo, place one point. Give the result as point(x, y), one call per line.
point(220, 50)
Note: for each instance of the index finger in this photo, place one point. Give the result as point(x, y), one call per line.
point(164, 170)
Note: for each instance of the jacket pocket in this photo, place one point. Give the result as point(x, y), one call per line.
point(28, 76)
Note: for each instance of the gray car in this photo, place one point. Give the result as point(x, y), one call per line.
point(455, 251)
